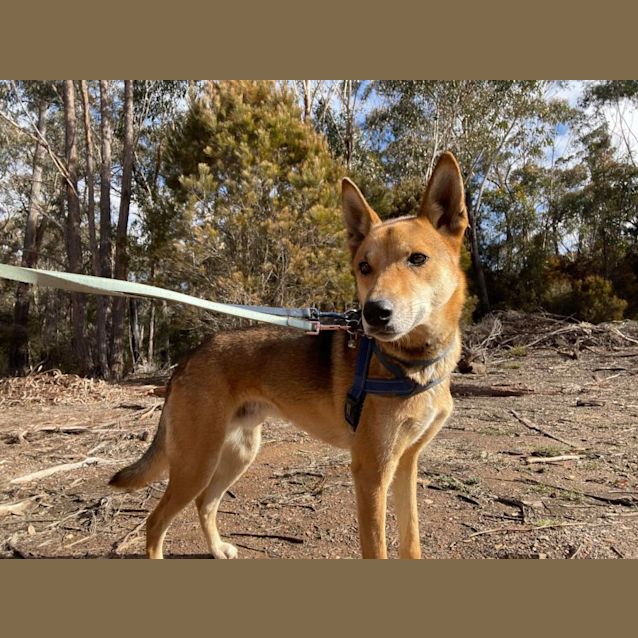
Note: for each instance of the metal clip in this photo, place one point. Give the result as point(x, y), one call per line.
point(353, 321)
point(315, 328)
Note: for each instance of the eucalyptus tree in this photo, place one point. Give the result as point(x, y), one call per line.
point(484, 122)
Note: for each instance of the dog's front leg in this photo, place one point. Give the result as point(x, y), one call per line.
point(404, 491)
point(372, 478)
point(405, 503)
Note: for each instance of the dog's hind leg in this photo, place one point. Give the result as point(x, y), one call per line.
point(192, 459)
point(185, 484)
point(239, 451)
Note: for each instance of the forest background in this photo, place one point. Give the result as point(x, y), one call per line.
point(229, 190)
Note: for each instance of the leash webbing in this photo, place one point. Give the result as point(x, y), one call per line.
point(310, 320)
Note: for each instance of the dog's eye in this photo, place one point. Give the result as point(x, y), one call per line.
point(365, 268)
point(417, 259)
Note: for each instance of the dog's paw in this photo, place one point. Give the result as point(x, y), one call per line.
point(224, 551)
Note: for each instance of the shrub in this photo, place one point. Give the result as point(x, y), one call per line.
point(594, 300)
point(471, 302)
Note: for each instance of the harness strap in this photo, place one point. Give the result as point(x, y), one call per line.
point(389, 361)
point(357, 394)
point(399, 386)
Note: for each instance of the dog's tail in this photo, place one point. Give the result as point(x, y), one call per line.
point(149, 466)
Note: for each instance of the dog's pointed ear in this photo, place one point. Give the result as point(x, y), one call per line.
point(357, 214)
point(444, 200)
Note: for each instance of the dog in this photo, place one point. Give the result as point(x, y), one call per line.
point(411, 290)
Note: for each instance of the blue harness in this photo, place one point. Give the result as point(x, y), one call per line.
point(399, 386)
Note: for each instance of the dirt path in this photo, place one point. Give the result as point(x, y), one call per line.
point(487, 487)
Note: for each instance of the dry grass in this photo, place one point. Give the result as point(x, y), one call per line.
point(55, 388)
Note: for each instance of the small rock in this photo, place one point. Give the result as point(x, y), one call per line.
point(31, 530)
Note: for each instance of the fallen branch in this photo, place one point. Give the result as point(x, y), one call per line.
point(148, 413)
point(18, 508)
point(615, 354)
point(575, 554)
point(65, 467)
point(128, 539)
point(61, 429)
point(589, 403)
point(620, 334)
point(459, 389)
point(81, 540)
point(535, 528)
point(288, 539)
point(553, 459)
point(612, 500)
point(532, 426)
point(523, 506)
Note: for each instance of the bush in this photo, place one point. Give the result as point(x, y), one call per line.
point(594, 300)
point(471, 302)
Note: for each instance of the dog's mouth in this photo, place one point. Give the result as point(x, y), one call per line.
point(383, 334)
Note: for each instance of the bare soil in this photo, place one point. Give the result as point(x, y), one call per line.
point(488, 487)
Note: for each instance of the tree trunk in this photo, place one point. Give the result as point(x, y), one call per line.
point(151, 322)
point(90, 167)
point(306, 100)
point(19, 346)
point(477, 267)
point(151, 334)
point(72, 231)
point(104, 250)
point(349, 132)
point(121, 254)
point(136, 333)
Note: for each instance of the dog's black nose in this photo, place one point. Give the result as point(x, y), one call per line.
point(377, 313)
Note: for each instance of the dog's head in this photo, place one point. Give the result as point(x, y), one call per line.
point(407, 269)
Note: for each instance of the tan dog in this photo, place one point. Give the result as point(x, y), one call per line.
point(412, 290)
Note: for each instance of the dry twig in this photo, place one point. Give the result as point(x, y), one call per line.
point(64, 467)
point(553, 459)
point(532, 426)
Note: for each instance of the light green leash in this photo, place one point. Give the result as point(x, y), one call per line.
point(118, 288)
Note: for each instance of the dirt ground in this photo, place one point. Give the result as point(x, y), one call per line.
point(488, 484)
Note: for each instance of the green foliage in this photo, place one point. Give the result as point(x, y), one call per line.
point(236, 193)
point(612, 90)
point(254, 192)
point(595, 301)
point(469, 308)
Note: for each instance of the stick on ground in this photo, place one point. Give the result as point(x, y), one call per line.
point(553, 459)
point(532, 426)
point(65, 467)
point(16, 508)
